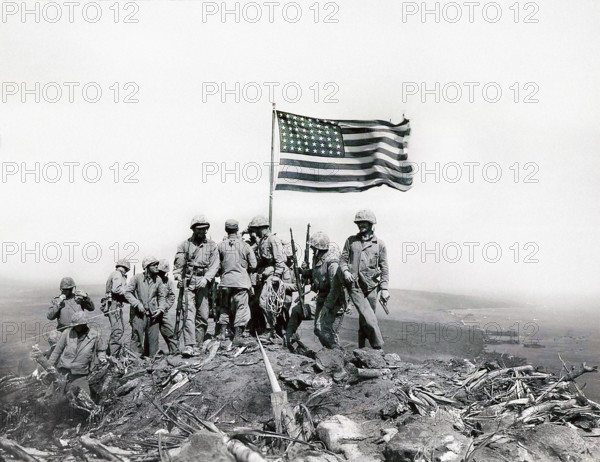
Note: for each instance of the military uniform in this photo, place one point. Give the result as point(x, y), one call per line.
point(171, 297)
point(202, 262)
point(63, 310)
point(146, 295)
point(366, 260)
point(116, 286)
point(257, 321)
point(165, 324)
point(330, 305)
point(335, 306)
point(237, 260)
point(271, 263)
point(288, 282)
point(75, 353)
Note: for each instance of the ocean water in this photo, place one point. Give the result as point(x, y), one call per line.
point(572, 334)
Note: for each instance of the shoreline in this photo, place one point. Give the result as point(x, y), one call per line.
point(549, 337)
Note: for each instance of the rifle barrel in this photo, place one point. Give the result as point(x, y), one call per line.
point(297, 272)
point(307, 247)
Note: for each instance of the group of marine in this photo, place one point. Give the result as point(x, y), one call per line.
point(257, 278)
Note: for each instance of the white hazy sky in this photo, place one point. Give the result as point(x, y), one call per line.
point(368, 54)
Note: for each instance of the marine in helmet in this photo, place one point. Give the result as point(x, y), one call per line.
point(237, 262)
point(271, 264)
point(257, 320)
point(69, 302)
point(163, 272)
point(200, 257)
point(112, 305)
point(165, 323)
point(76, 352)
point(147, 297)
point(365, 267)
point(285, 286)
point(330, 304)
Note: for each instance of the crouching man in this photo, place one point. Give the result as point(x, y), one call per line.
point(77, 350)
point(331, 303)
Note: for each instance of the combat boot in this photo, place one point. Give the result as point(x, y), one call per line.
point(200, 334)
point(188, 351)
point(238, 341)
point(224, 333)
point(361, 339)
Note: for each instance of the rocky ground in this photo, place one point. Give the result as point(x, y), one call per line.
point(361, 405)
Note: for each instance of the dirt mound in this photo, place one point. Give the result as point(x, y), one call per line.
point(361, 405)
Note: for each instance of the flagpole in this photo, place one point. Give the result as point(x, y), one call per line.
point(272, 168)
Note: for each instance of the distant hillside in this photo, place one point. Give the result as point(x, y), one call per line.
point(440, 300)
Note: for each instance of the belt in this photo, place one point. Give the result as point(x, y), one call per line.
point(196, 272)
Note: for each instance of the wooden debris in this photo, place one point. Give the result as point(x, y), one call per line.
point(16, 450)
point(98, 448)
point(282, 413)
point(240, 351)
point(241, 452)
point(373, 373)
point(212, 352)
point(128, 386)
point(178, 385)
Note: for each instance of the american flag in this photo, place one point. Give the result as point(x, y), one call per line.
point(320, 155)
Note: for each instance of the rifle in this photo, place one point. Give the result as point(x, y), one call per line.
point(182, 301)
point(307, 247)
point(297, 273)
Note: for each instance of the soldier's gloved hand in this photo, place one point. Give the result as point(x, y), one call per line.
point(202, 283)
point(81, 293)
point(385, 295)
point(304, 266)
point(62, 297)
point(348, 277)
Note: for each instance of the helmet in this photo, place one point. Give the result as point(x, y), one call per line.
point(231, 224)
point(123, 263)
point(163, 265)
point(67, 283)
point(146, 262)
point(258, 221)
point(365, 215)
point(79, 318)
point(320, 241)
point(199, 220)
